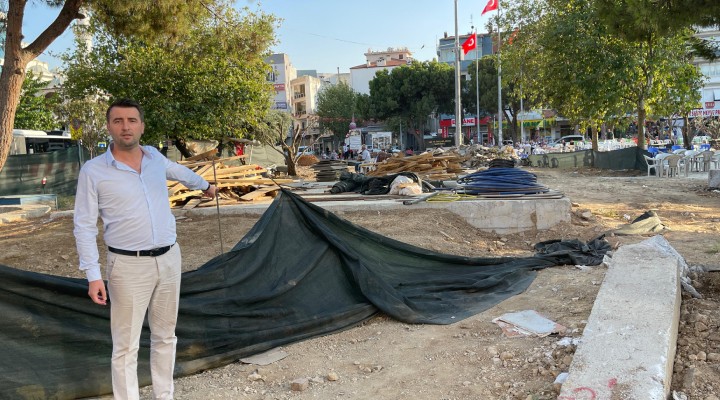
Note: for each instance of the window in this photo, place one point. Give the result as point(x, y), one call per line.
point(716, 94)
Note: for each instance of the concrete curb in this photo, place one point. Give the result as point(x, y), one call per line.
point(628, 346)
point(10, 214)
point(499, 216)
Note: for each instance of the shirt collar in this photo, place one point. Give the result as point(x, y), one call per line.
point(110, 159)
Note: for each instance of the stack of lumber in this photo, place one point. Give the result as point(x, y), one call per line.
point(236, 184)
point(329, 170)
point(427, 166)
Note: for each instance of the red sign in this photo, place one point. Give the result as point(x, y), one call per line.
point(279, 87)
point(451, 122)
point(709, 104)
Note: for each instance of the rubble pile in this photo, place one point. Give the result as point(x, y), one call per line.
point(443, 164)
point(235, 183)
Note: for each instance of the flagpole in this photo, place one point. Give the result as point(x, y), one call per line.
point(477, 90)
point(458, 106)
point(500, 116)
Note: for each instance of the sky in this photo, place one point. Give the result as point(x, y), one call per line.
point(325, 35)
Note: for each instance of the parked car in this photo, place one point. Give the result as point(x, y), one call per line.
point(304, 150)
point(569, 139)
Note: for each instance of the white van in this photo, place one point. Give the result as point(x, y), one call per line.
point(569, 139)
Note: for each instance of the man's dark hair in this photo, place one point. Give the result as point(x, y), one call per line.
point(125, 103)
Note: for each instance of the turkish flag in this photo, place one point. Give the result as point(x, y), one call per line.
point(469, 44)
point(491, 5)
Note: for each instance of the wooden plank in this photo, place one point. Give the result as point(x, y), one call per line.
point(192, 203)
point(185, 195)
point(191, 164)
point(202, 156)
point(258, 193)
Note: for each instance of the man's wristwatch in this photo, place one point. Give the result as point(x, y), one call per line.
point(208, 187)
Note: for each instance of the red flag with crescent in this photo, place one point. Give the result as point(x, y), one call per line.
point(469, 44)
point(491, 6)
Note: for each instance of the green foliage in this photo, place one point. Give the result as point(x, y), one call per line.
point(89, 114)
point(207, 85)
point(35, 111)
point(166, 20)
point(277, 129)
point(413, 92)
point(591, 75)
point(636, 20)
point(336, 108)
point(162, 21)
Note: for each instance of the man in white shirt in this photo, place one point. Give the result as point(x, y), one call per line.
point(127, 188)
point(364, 157)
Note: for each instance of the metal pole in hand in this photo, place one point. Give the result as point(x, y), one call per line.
point(217, 207)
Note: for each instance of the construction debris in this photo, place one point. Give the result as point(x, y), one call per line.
point(426, 165)
point(235, 183)
point(440, 164)
point(329, 170)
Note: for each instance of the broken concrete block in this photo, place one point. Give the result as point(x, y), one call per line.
point(298, 385)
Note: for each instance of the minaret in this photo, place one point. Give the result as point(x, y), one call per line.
point(82, 31)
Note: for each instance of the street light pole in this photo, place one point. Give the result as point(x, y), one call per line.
point(458, 106)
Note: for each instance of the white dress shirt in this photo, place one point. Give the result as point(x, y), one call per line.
point(134, 206)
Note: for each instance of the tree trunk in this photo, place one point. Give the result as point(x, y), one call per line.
point(641, 125)
point(17, 58)
point(182, 148)
point(11, 80)
point(686, 132)
point(594, 138)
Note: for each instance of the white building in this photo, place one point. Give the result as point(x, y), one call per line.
point(361, 75)
point(710, 100)
point(305, 91)
point(281, 75)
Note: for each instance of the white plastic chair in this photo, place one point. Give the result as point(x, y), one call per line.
point(651, 164)
point(705, 159)
point(660, 163)
point(673, 164)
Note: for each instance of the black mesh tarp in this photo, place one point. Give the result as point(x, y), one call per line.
point(23, 174)
point(300, 272)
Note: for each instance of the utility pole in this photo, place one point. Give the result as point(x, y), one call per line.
point(500, 112)
point(458, 106)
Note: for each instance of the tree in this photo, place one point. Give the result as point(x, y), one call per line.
point(277, 130)
point(336, 109)
point(411, 93)
point(86, 117)
point(635, 20)
point(208, 85)
point(590, 74)
point(486, 84)
point(34, 111)
point(138, 18)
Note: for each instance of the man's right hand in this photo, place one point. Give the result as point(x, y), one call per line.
point(97, 292)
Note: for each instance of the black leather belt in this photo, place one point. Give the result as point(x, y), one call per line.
point(142, 253)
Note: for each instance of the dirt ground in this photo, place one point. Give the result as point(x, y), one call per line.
point(471, 359)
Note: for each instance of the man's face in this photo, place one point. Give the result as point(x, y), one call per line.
point(125, 127)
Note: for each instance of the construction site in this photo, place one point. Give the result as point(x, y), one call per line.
point(628, 311)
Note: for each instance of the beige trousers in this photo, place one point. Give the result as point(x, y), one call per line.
point(137, 285)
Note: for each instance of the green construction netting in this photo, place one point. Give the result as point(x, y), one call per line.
point(300, 272)
point(23, 174)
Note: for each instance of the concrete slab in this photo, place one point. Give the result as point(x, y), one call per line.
point(23, 199)
point(628, 346)
point(500, 216)
point(10, 214)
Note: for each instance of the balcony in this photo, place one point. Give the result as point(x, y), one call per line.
point(299, 95)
